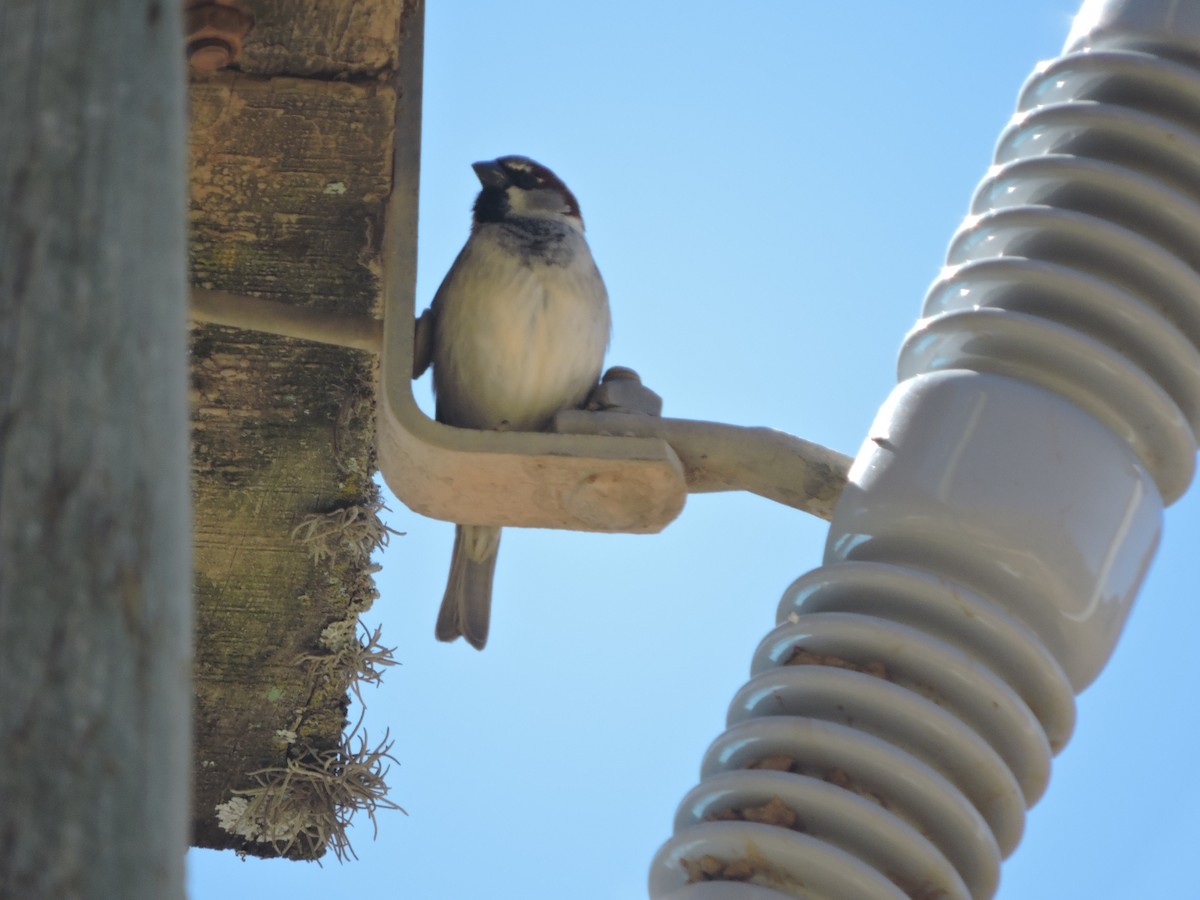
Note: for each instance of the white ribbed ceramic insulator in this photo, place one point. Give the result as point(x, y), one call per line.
point(999, 518)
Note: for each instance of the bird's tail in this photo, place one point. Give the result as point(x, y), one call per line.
point(467, 607)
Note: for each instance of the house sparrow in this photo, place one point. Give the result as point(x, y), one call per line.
point(519, 329)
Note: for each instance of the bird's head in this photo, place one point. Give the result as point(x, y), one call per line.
point(518, 187)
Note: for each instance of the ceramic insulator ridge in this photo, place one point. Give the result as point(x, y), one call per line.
point(999, 518)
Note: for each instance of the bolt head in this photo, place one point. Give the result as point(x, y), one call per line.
point(209, 55)
point(215, 32)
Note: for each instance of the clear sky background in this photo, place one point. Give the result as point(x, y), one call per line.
point(769, 189)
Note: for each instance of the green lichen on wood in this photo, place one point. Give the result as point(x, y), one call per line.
point(283, 430)
point(263, 599)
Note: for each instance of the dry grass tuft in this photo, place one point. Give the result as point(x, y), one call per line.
point(306, 806)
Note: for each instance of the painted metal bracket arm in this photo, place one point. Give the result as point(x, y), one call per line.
point(716, 456)
point(258, 314)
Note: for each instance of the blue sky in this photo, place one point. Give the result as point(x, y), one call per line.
point(769, 191)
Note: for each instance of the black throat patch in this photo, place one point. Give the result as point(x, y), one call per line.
point(538, 240)
point(491, 205)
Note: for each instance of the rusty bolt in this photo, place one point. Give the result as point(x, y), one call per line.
point(215, 32)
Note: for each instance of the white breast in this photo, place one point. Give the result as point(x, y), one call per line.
point(517, 338)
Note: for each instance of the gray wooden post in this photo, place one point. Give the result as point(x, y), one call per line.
point(95, 606)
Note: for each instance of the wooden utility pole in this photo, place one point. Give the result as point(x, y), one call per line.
point(95, 608)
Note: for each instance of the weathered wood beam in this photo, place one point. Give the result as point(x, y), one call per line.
point(290, 171)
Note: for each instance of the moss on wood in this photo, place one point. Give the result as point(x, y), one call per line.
point(289, 179)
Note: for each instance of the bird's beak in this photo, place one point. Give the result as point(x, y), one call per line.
point(490, 174)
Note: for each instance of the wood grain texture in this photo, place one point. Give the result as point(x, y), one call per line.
point(324, 38)
point(288, 183)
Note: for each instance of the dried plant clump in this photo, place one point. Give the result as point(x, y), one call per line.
point(357, 529)
point(306, 806)
point(351, 662)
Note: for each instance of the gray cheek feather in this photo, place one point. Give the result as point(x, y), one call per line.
point(535, 201)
